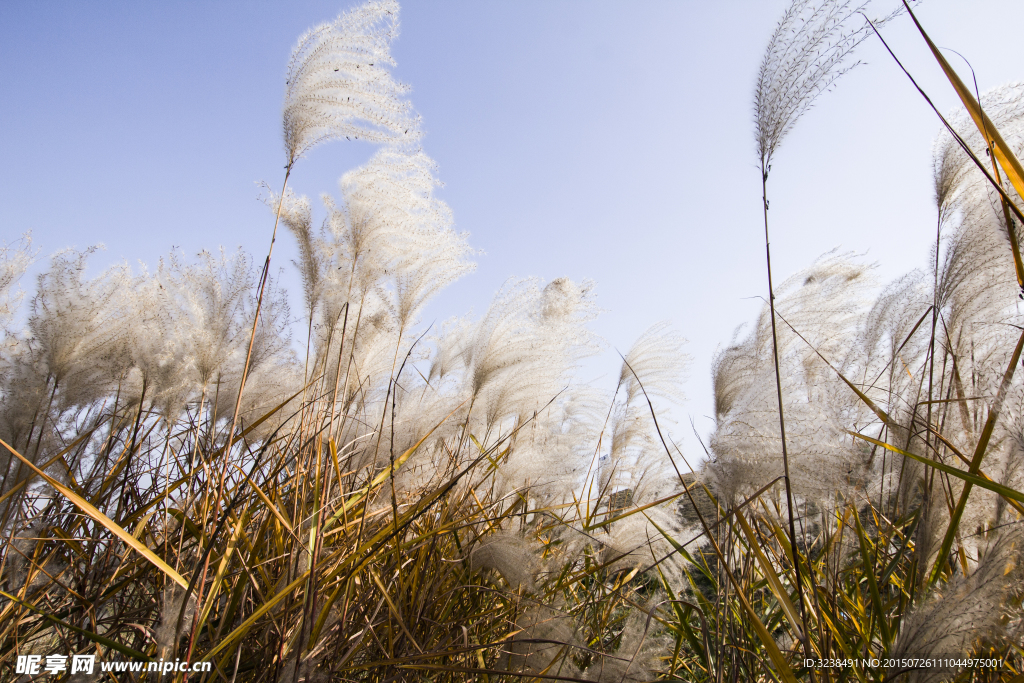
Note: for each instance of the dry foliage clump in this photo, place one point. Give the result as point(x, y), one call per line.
point(399, 502)
point(451, 503)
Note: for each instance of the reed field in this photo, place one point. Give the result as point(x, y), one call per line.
point(190, 477)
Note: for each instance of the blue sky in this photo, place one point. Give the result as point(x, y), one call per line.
point(602, 140)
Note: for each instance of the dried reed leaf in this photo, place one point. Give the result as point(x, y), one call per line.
point(108, 523)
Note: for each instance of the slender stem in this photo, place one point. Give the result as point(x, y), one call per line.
point(248, 355)
point(979, 455)
point(337, 378)
point(782, 419)
point(241, 387)
point(256, 316)
point(131, 451)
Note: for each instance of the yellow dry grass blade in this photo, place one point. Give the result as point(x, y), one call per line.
point(95, 637)
point(266, 501)
point(1004, 491)
point(393, 608)
point(110, 524)
point(629, 513)
point(1002, 152)
point(782, 668)
point(979, 452)
point(882, 415)
point(869, 573)
point(399, 461)
point(244, 627)
point(24, 482)
point(333, 448)
point(773, 578)
point(222, 569)
point(139, 528)
point(979, 455)
point(837, 633)
point(963, 458)
point(383, 475)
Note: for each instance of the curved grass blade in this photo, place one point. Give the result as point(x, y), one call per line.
point(773, 578)
point(974, 479)
point(782, 668)
point(110, 524)
point(95, 637)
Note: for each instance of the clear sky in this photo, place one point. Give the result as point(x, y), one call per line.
point(603, 140)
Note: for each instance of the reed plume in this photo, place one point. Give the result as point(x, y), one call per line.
point(338, 83)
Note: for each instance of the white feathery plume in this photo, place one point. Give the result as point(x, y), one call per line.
point(635, 542)
point(543, 643)
point(166, 634)
point(504, 338)
point(21, 386)
point(270, 346)
point(520, 358)
point(977, 244)
point(156, 347)
point(397, 227)
point(511, 555)
point(823, 303)
point(808, 52)
point(655, 365)
point(210, 296)
point(24, 392)
point(657, 362)
point(73, 326)
point(297, 216)
point(949, 623)
point(1004, 106)
point(885, 342)
point(272, 333)
point(14, 261)
point(451, 347)
point(339, 83)
point(519, 361)
point(268, 386)
point(636, 659)
point(635, 470)
point(977, 290)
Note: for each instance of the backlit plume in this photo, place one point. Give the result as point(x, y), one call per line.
point(335, 486)
point(339, 83)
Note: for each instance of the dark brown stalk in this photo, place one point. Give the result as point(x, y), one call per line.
point(131, 451)
point(325, 489)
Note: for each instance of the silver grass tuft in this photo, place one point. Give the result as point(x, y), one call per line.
point(636, 658)
point(338, 83)
point(512, 556)
point(166, 634)
point(14, 261)
point(543, 643)
point(824, 303)
point(951, 622)
point(808, 52)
